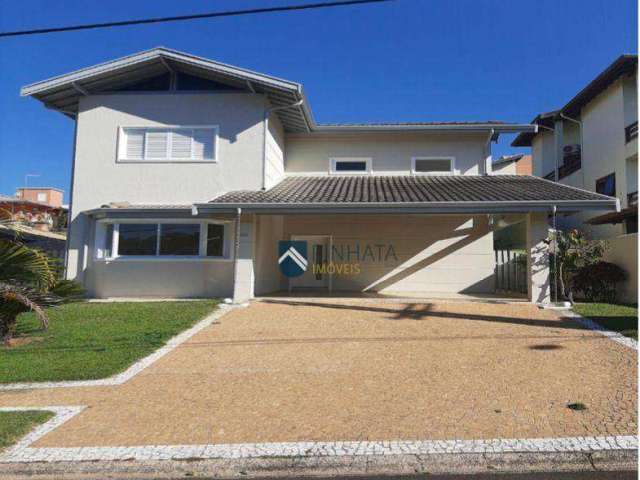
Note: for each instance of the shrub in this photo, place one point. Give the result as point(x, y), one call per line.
point(597, 281)
point(573, 251)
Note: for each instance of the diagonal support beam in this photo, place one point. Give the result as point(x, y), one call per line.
point(80, 89)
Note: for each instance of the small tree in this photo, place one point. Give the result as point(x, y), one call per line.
point(573, 251)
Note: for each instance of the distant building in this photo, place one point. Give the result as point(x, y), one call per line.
point(50, 196)
point(592, 143)
point(38, 208)
point(518, 164)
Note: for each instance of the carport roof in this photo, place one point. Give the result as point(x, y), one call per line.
point(416, 193)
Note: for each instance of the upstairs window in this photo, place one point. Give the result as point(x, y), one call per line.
point(349, 165)
point(181, 144)
point(432, 165)
point(607, 185)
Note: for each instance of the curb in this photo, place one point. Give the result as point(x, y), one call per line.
point(325, 467)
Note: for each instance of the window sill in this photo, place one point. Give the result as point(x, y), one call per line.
point(161, 160)
point(161, 259)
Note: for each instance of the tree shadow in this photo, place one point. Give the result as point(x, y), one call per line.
point(421, 312)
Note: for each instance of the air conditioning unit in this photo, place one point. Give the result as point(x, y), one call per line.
point(571, 149)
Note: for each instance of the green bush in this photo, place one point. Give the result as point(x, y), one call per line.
point(597, 281)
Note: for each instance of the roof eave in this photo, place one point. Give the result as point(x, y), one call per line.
point(413, 207)
point(482, 127)
point(99, 213)
point(79, 75)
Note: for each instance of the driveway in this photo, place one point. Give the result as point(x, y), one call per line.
point(328, 370)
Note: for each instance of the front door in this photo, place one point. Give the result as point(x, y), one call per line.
point(318, 253)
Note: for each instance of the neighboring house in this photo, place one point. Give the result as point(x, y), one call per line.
point(188, 174)
point(49, 195)
point(518, 164)
point(593, 142)
point(40, 215)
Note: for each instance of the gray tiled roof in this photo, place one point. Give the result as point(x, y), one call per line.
point(383, 124)
point(410, 189)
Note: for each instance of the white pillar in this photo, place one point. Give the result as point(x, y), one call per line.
point(244, 277)
point(538, 278)
point(77, 248)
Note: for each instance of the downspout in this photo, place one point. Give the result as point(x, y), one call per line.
point(236, 251)
point(555, 254)
point(487, 152)
point(267, 113)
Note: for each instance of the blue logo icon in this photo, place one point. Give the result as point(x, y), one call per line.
point(292, 257)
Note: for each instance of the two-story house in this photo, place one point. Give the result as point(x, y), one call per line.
point(189, 175)
point(591, 143)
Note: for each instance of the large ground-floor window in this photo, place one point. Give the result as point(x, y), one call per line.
point(163, 239)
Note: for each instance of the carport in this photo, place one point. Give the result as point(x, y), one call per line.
point(402, 234)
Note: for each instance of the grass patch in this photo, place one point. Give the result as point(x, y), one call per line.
point(14, 425)
point(619, 318)
point(94, 340)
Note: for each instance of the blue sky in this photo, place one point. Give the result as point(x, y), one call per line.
point(411, 60)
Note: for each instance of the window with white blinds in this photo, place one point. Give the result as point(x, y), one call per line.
point(187, 144)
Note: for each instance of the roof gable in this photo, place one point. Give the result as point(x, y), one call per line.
point(151, 70)
point(63, 92)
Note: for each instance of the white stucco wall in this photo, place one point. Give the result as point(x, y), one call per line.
point(161, 278)
point(390, 153)
point(274, 155)
point(504, 169)
point(603, 152)
point(269, 230)
point(543, 151)
point(100, 179)
point(623, 251)
point(433, 254)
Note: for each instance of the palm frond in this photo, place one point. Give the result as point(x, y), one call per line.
point(21, 264)
point(7, 223)
point(15, 299)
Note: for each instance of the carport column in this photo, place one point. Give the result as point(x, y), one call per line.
point(243, 278)
point(538, 273)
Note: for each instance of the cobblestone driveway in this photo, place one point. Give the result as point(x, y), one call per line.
point(363, 370)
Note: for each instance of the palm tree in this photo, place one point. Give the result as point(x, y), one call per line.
point(29, 281)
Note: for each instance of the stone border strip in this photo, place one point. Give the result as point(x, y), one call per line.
point(62, 414)
point(22, 453)
point(591, 325)
point(137, 367)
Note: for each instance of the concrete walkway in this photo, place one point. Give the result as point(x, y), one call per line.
point(326, 371)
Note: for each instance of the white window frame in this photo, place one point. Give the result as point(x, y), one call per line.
point(452, 160)
point(122, 144)
point(334, 160)
point(227, 251)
